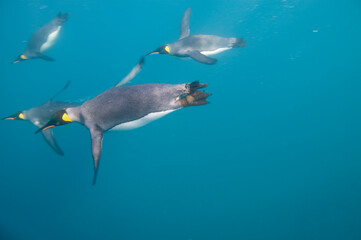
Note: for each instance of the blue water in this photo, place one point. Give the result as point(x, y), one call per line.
point(276, 155)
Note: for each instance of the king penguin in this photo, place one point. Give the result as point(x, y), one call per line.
point(41, 114)
point(128, 107)
point(198, 47)
point(43, 39)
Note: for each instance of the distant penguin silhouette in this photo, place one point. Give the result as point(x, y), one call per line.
point(198, 47)
point(128, 107)
point(43, 39)
point(40, 115)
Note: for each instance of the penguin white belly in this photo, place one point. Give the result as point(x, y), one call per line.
point(142, 121)
point(51, 40)
point(219, 50)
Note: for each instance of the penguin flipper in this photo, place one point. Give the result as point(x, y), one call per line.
point(136, 69)
point(49, 138)
point(47, 58)
point(61, 90)
point(199, 57)
point(97, 139)
point(184, 27)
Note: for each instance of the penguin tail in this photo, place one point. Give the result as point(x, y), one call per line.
point(62, 17)
point(195, 97)
point(237, 42)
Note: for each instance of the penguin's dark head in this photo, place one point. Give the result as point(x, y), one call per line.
point(59, 118)
point(16, 116)
point(164, 49)
point(20, 58)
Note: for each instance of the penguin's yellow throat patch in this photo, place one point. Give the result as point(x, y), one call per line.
point(166, 48)
point(21, 116)
point(66, 118)
point(22, 56)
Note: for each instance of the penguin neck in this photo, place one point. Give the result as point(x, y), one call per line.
point(74, 114)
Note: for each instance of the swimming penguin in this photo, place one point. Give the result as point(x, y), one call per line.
point(128, 107)
point(198, 47)
point(40, 115)
point(43, 39)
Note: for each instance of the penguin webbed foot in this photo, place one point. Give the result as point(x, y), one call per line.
point(193, 86)
point(195, 97)
point(238, 42)
point(62, 17)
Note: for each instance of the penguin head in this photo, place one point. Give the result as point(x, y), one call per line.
point(59, 118)
point(20, 58)
point(16, 116)
point(164, 49)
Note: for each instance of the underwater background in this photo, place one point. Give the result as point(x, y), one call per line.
point(275, 155)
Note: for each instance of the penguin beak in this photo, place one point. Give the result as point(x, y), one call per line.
point(44, 128)
point(16, 61)
point(14, 116)
point(151, 53)
point(8, 118)
point(50, 124)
